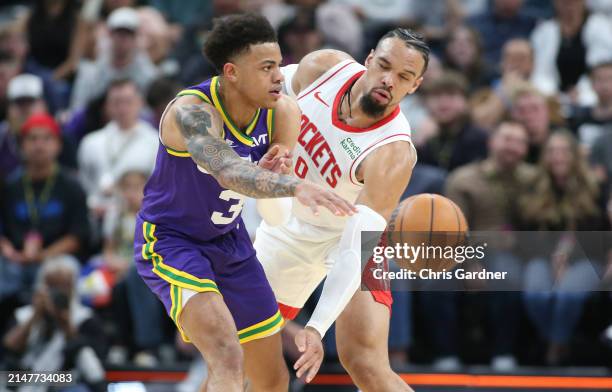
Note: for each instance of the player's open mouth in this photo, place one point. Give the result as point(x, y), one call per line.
point(381, 95)
point(276, 92)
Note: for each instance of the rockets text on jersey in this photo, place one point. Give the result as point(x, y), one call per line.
point(320, 153)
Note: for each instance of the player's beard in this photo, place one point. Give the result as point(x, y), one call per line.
point(370, 107)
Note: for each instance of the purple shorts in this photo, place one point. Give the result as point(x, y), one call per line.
point(170, 262)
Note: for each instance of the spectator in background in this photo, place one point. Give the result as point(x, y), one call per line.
point(463, 54)
point(601, 159)
point(501, 23)
point(563, 197)
point(337, 22)
point(531, 108)
point(490, 105)
point(55, 332)
point(299, 36)
point(137, 313)
point(123, 60)
point(24, 95)
point(456, 142)
point(8, 70)
point(157, 39)
point(161, 92)
point(566, 46)
point(42, 210)
point(486, 192)
point(126, 142)
point(591, 122)
point(54, 38)
point(184, 13)
point(120, 221)
point(14, 42)
point(86, 119)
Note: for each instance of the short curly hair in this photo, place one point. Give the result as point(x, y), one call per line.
point(234, 34)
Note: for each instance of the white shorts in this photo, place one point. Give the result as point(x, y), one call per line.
point(296, 258)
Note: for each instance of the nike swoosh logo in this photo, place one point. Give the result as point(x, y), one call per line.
point(318, 97)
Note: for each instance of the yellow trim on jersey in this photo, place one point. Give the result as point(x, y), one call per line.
point(262, 329)
point(270, 123)
point(176, 153)
point(168, 273)
point(242, 137)
point(205, 98)
point(194, 92)
point(176, 295)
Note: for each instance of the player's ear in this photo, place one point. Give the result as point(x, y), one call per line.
point(417, 84)
point(230, 72)
point(369, 58)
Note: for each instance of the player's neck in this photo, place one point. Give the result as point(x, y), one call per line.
point(240, 110)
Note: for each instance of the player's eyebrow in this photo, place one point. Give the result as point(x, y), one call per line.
point(387, 62)
point(268, 62)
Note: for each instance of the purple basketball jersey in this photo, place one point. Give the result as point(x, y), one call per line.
point(184, 198)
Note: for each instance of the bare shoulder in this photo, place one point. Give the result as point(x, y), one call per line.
point(400, 154)
point(315, 64)
point(287, 105)
point(171, 134)
point(389, 161)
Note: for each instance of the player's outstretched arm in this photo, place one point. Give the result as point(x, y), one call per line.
point(195, 123)
point(386, 173)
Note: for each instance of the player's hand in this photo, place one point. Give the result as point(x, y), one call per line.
point(274, 161)
point(313, 195)
point(308, 342)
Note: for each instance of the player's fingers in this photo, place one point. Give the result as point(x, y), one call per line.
point(309, 363)
point(300, 362)
point(314, 207)
point(327, 203)
point(343, 205)
point(314, 368)
point(285, 169)
point(304, 363)
point(339, 203)
point(272, 152)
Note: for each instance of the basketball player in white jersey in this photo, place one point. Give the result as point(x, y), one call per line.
point(355, 140)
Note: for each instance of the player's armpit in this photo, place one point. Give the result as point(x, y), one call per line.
point(387, 168)
point(314, 65)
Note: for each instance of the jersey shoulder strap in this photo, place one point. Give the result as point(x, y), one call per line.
point(341, 71)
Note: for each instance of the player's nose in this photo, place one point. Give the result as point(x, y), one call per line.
point(278, 77)
point(387, 81)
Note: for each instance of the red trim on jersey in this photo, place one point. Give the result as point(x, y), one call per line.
point(383, 297)
point(325, 81)
point(336, 121)
point(366, 150)
point(288, 312)
point(380, 289)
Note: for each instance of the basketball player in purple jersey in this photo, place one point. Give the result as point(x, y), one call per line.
point(191, 246)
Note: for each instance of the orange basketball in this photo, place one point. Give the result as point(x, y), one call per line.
point(431, 222)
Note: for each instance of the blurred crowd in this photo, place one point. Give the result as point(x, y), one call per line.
point(513, 122)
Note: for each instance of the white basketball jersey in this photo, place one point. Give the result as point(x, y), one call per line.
point(328, 151)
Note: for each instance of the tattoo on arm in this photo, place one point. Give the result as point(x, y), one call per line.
point(222, 162)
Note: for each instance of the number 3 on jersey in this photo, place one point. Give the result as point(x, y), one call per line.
point(219, 218)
